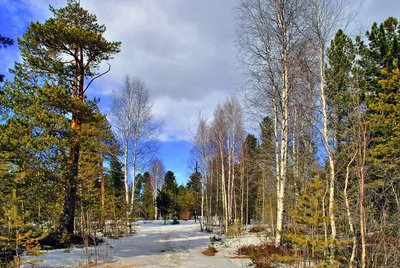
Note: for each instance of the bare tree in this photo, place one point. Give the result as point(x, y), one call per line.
point(144, 129)
point(322, 19)
point(157, 176)
point(201, 151)
point(267, 31)
point(218, 137)
point(233, 120)
point(135, 126)
point(122, 121)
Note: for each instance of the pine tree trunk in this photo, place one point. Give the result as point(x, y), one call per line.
point(68, 215)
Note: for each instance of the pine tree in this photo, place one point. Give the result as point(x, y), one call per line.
point(148, 203)
point(380, 62)
point(33, 141)
point(192, 196)
point(308, 215)
point(164, 204)
point(266, 200)
point(67, 51)
point(116, 177)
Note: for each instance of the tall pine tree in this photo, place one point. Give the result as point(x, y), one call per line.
point(67, 50)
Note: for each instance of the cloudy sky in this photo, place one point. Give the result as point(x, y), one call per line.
point(182, 49)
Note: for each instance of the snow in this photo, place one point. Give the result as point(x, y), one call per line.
point(155, 245)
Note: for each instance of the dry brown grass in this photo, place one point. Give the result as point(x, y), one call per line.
point(210, 251)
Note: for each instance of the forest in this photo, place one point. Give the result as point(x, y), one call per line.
point(307, 151)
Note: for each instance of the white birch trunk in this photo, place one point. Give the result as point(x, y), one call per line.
point(126, 156)
point(134, 168)
point(285, 132)
point(224, 193)
point(329, 152)
point(277, 161)
point(349, 217)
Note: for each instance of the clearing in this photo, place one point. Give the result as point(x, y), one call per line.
point(155, 245)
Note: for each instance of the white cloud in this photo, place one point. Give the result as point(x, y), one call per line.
point(182, 50)
point(186, 58)
point(180, 115)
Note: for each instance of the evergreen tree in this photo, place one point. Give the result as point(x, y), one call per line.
point(194, 182)
point(139, 187)
point(33, 141)
point(264, 170)
point(67, 51)
point(192, 196)
point(170, 186)
point(341, 56)
point(380, 62)
point(164, 204)
point(116, 177)
point(252, 182)
point(307, 234)
point(148, 198)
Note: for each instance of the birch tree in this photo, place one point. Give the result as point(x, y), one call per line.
point(233, 120)
point(218, 133)
point(157, 176)
point(136, 127)
point(323, 19)
point(144, 129)
point(122, 118)
point(200, 142)
point(267, 30)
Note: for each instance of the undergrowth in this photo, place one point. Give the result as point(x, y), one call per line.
point(210, 251)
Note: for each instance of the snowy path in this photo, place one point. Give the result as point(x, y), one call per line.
point(156, 245)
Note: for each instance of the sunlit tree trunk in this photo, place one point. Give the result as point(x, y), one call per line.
point(126, 156)
point(285, 124)
point(349, 217)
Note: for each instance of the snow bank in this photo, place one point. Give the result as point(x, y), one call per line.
point(154, 245)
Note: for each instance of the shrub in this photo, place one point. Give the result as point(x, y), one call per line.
point(257, 229)
point(235, 230)
point(210, 251)
point(264, 255)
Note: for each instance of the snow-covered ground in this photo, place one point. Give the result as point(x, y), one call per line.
point(155, 245)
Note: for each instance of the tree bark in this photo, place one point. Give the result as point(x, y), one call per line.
point(362, 199)
point(68, 215)
point(349, 217)
point(328, 150)
point(102, 191)
point(285, 130)
point(224, 193)
point(126, 156)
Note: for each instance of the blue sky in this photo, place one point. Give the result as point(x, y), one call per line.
point(187, 62)
point(182, 49)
